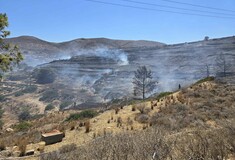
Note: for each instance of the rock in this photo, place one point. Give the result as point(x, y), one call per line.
point(41, 146)
point(15, 148)
point(9, 130)
point(29, 152)
point(5, 153)
point(16, 154)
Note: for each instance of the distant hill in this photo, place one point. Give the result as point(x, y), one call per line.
point(105, 67)
point(37, 51)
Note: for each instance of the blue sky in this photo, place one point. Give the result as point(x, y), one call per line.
point(63, 20)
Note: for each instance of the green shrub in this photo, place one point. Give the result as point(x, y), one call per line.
point(205, 80)
point(82, 115)
point(49, 95)
point(2, 98)
point(30, 89)
point(65, 104)
point(49, 107)
point(19, 93)
point(36, 116)
point(23, 126)
point(163, 94)
point(1, 112)
point(25, 115)
point(17, 77)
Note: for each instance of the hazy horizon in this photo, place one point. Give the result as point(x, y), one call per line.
point(161, 21)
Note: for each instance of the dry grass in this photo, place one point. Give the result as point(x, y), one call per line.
point(201, 106)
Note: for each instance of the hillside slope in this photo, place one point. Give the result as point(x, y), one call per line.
point(171, 121)
point(37, 51)
point(104, 68)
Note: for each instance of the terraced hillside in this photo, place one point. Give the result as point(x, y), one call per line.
point(104, 68)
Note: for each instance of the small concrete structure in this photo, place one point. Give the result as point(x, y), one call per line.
point(52, 137)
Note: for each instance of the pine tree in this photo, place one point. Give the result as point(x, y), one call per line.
point(9, 54)
point(143, 82)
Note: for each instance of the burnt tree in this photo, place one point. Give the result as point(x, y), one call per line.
point(223, 65)
point(143, 82)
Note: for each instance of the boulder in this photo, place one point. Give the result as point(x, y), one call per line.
point(5, 153)
point(41, 146)
point(16, 154)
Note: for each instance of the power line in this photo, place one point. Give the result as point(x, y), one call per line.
point(179, 8)
point(200, 6)
point(157, 10)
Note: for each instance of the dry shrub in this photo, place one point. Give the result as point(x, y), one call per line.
point(129, 121)
point(133, 108)
point(161, 121)
point(154, 143)
point(181, 98)
point(81, 124)
point(117, 110)
point(119, 122)
point(202, 145)
point(87, 126)
point(72, 125)
point(122, 146)
point(94, 135)
point(51, 155)
point(145, 127)
point(68, 148)
point(152, 104)
point(143, 118)
point(132, 128)
point(61, 128)
point(2, 145)
point(141, 108)
point(22, 143)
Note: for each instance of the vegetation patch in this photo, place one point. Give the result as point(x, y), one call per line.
point(205, 80)
point(65, 104)
point(28, 89)
point(1, 124)
point(17, 77)
point(82, 115)
point(25, 115)
point(2, 98)
point(1, 113)
point(49, 95)
point(44, 75)
point(19, 93)
point(163, 94)
point(23, 126)
point(49, 107)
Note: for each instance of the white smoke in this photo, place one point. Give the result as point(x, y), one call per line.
point(115, 54)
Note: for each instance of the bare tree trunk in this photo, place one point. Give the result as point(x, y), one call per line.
point(143, 89)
